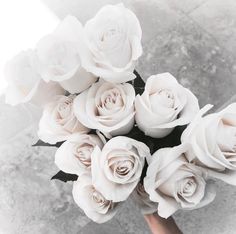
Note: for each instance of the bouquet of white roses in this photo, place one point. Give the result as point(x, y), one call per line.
point(116, 135)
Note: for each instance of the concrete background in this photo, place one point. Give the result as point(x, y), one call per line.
point(195, 40)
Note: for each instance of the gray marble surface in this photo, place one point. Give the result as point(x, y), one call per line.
point(196, 42)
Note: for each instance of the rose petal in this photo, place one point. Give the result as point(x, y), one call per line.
point(79, 82)
point(65, 158)
point(82, 189)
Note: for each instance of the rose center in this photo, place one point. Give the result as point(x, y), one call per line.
point(111, 102)
point(123, 168)
point(99, 199)
point(163, 97)
point(83, 154)
point(187, 187)
point(109, 34)
point(64, 109)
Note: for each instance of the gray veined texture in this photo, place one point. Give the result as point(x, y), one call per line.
point(196, 42)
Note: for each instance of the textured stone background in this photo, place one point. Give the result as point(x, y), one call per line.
point(193, 39)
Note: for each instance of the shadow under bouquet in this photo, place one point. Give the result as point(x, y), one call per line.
point(118, 136)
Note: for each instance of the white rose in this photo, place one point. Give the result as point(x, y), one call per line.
point(60, 56)
point(25, 83)
point(74, 155)
point(213, 141)
point(92, 202)
point(142, 200)
point(174, 183)
point(116, 169)
point(107, 107)
point(114, 39)
point(58, 121)
point(164, 105)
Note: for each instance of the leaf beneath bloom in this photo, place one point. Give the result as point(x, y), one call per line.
point(64, 176)
point(42, 143)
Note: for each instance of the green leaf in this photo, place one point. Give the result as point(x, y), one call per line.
point(173, 139)
point(138, 81)
point(42, 143)
point(62, 176)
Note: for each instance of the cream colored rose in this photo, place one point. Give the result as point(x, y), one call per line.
point(92, 202)
point(213, 141)
point(60, 56)
point(114, 39)
point(25, 83)
point(142, 200)
point(116, 169)
point(74, 155)
point(107, 107)
point(164, 105)
point(58, 121)
point(174, 183)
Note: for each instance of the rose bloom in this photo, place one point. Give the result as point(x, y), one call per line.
point(74, 155)
point(114, 39)
point(174, 183)
point(92, 202)
point(116, 169)
point(58, 121)
point(60, 56)
point(166, 104)
point(142, 200)
point(107, 107)
point(213, 141)
point(25, 83)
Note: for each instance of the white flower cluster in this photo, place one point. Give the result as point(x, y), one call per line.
point(80, 76)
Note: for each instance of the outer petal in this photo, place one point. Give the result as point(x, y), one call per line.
point(145, 122)
point(14, 96)
point(227, 176)
point(46, 92)
point(49, 49)
point(186, 134)
point(187, 114)
point(79, 82)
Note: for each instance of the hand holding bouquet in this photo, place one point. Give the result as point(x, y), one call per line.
point(116, 135)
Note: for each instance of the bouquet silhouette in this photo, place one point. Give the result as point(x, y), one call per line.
point(118, 136)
